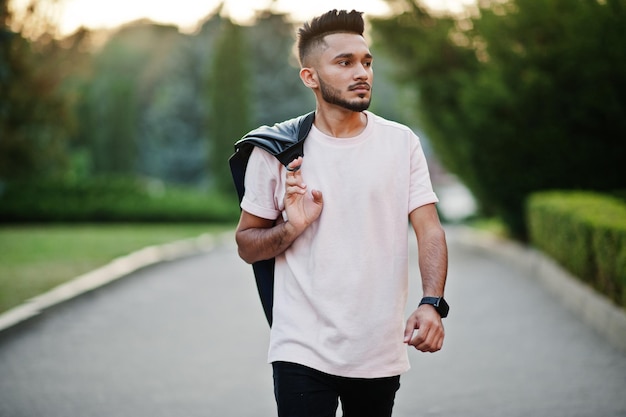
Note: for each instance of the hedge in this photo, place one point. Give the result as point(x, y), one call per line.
point(112, 200)
point(586, 233)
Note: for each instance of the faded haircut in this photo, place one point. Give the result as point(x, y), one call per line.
point(311, 34)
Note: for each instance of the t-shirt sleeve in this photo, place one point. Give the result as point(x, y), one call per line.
point(421, 190)
point(261, 185)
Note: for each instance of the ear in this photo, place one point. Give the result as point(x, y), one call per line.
point(309, 77)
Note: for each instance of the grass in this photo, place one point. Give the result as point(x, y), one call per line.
point(36, 258)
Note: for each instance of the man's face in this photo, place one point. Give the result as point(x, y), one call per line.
point(344, 72)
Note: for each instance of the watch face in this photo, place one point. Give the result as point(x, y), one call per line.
point(442, 307)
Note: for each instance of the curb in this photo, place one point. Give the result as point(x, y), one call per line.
point(108, 273)
point(591, 307)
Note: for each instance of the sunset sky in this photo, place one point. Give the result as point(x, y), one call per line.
point(186, 13)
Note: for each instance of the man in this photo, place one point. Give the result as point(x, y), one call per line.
point(335, 221)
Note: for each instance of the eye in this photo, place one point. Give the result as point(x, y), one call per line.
point(367, 64)
point(344, 63)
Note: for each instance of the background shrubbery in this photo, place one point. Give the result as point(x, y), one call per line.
point(518, 96)
point(586, 233)
point(111, 199)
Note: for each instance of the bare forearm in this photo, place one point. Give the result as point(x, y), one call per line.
point(257, 244)
point(433, 262)
point(259, 239)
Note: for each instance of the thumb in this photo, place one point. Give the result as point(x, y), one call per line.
point(318, 198)
point(411, 325)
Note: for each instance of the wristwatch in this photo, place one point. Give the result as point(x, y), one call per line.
point(439, 303)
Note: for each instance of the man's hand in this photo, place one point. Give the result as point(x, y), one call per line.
point(302, 208)
point(430, 333)
point(259, 238)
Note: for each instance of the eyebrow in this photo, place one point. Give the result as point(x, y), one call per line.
point(351, 55)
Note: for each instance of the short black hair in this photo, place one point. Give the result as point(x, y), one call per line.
point(311, 34)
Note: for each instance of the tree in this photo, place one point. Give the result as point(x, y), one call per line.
point(34, 117)
point(171, 138)
point(110, 124)
point(173, 145)
point(229, 100)
point(523, 96)
point(277, 89)
point(130, 108)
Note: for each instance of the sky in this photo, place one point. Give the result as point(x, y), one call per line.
point(185, 14)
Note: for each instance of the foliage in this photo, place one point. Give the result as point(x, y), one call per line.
point(522, 96)
point(125, 75)
point(34, 119)
point(278, 92)
point(146, 100)
point(228, 96)
point(586, 233)
point(176, 105)
point(172, 141)
point(111, 199)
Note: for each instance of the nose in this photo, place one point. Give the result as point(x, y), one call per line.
point(362, 72)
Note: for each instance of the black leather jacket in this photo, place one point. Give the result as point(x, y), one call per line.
point(285, 141)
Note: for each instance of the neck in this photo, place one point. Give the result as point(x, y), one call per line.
point(340, 123)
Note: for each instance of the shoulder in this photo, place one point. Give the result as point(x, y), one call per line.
point(276, 139)
point(283, 132)
point(390, 125)
point(399, 133)
point(261, 155)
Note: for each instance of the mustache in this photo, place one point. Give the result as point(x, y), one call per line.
point(360, 85)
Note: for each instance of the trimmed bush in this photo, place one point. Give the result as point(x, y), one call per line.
point(586, 233)
point(112, 200)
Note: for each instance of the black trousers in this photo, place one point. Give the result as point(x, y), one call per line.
point(304, 392)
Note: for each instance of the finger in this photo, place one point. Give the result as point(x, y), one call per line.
point(294, 178)
point(425, 346)
point(318, 198)
point(294, 166)
point(295, 189)
point(432, 341)
point(420, 340)
point(431, 347)
point(423, 335)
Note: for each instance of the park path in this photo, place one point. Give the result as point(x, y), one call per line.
point(187, 338)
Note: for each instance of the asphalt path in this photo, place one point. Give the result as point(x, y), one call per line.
point(188, 338)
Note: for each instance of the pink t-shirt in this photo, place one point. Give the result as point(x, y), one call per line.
point(340, 290)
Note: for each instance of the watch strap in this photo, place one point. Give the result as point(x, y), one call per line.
point(439, 303)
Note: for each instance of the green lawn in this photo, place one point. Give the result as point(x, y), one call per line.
point(36, 258)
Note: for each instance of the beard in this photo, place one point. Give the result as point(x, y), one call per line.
point(333, 96)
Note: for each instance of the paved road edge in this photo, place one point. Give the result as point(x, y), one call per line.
point(108, 273)
point(592, 308)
